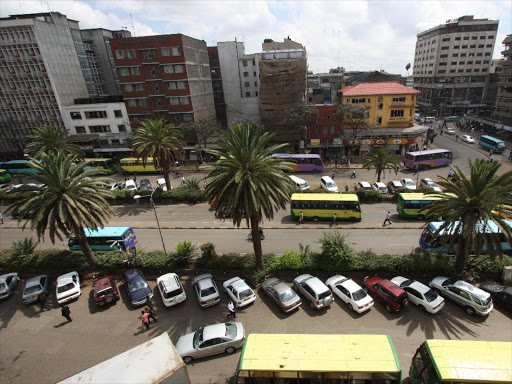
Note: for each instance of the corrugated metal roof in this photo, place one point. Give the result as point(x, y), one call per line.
point(390, 88)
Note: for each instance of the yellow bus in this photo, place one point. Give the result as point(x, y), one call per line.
point(132, 164)
point(462, 361)
point(413, 205)
point(333, 359)
point(322, 206)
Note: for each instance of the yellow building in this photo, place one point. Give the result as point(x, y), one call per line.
point(389, 105)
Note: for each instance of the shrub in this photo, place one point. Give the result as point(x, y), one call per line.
point(184, 251)
point(291, 261)
point(336, 254)
point(485, 265)
point(24, 247)
point(369, 196)
point(208, 253)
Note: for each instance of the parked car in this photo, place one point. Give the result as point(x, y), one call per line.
point(34, 287)
point(7, 284)
point(160, 183)
point(281, 293)
point(350, 293)
point(137, 287)
point(428, 183)
point(391, 295)
point(467, 139)
point(408, 183)
point(315, 291)
point(380, 187)
point(171, 290)
point(105, 291)
point(419, 294)
point(211, 340)
point(393, 185)
point(449, 131)
point(130, 185)
point(239, 291)
point(328, 184)
point(118, 185)
point(501, 294)
point(363, 185)
point(67, 287)
point(473, 299)
point(206, 289)
point(145, 185)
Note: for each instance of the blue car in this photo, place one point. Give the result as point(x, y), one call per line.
point(137, 287)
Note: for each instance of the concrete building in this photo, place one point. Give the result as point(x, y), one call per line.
point(451, 63)
point(218, 90)
point(164, 76)
point(503, 111)
point(240, 82)
point(322, 88)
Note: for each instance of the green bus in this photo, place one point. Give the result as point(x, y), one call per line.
point(106, 164)
point(462, 361)
point(322, 206)
point(4, 175)
point(412, 205)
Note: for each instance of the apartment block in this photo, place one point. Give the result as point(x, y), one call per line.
point(164, 76)
point(503, 111)
point(451, 63)
point(218, 89)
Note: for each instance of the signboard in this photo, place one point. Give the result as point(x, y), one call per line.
point(337, 141)
point(380, 141)
point(301, 144)
point(315, 142)
point(499, 126)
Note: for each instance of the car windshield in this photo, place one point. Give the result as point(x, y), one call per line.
point(176, 292)
point(304, 185)
point(430, 295)
point(447, 282)
point(230, 330)
point(288, 295)
point(32, 289)
point(323, 295)
point(501, 145)
point(406, 283)
point(359, 295)
point(139, 284)
point(198, 338)
point(245, 294)
point(106, 292)
point(3, 286)
point(331, 185)
point(497, 288)
point(207, 291)
point(409, 182)
point(64, 288)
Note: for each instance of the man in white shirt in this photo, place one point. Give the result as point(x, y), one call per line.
point(232, 310)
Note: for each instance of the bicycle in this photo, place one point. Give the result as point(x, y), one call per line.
point(249, 236)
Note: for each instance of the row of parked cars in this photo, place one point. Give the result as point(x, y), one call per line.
point(133, 185)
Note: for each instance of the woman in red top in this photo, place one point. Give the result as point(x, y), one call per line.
point(145, 319)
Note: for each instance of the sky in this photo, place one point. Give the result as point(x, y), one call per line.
point(356, 35)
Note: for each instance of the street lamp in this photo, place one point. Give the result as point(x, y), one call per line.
point(152, 203)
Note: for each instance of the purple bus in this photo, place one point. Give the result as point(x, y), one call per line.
point(428, 159)
point(302, 162)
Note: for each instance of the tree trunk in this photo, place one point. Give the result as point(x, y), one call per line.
point(165, 171)
point(461, 255)
point(256, 242)
point(86, 248)
point(378, 175)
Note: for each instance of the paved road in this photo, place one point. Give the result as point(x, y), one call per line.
point(42, 348)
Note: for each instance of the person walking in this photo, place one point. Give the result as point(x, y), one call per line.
point(334, 220)
point(41, 300)
point(232, 310)
point(301, 218)
point(1, 218)
point(491, 157)
point(348, 162)
point(346, 188)
point(149, 303)
point(456, 137)
point(388, 219)
point(336, 163)
point(450, 173)
point(145, 319)
point(332, 177)
point(353, 176)
point(66, 313)
point(151, 313)
point(182, 179)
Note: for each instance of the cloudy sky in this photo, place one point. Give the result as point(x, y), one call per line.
point(357, 35)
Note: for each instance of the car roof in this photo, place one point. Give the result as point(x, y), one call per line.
point(34, 280)
point(239, 284)
point(169, 281)
point(316, 284)
point(407, 179)
point(427, 179)
point(131, 273)
point(281, 287)
point(379, 184)
point(4, 277)
point(214, 331)
point(103, 283)
point(396, 182)
point(206, 282)
point(66, 277)
point(364, 183)
point(327, 178)
point(420, 287)
point(130, 182)
point(471, 288)
point(393, 288)
point(351, 285)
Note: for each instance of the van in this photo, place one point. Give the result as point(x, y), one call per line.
point(417, 116)
point(328, 184)
point(299, 183)
point(451, 118)
point(430, 119)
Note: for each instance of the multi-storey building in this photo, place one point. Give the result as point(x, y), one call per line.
point(323, 87)
point(218, 90)
point(451, 63)
point(503, 111)
point(164, 76)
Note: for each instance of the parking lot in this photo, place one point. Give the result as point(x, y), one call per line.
point(42, 347)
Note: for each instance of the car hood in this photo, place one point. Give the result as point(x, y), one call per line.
point(438, 281)
point(184, 346)
point(140, 294)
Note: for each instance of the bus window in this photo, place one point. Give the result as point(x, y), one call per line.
point(421, 361)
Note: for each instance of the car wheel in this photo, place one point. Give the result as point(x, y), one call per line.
point(350, 306)
point(405, 303)
point(315, 219)
point(312, 305)
point(187, 359)
point(421, 217)
point(315, 170)
point(388, 308)
point(422, 308)
point(230, 350)
point(469, 310)
point(109, 298)
point(352, 219)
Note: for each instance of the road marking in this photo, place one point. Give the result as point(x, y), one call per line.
point(400, 244)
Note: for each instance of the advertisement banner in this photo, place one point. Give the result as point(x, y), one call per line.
point(315, 142)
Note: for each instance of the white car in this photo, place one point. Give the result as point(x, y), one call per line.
point(67, 287)
point(171, 290)
point(239, 291)
point(424, 297)
point(408, 183)
point(449, 131)
point(426, 182)
point(350, 293)
point(130, 185)
point(380, 187)
point(363, 185)
point(393, 185)
point(160, 183)
point(468, 139)
point(117, 185)
point(206, 289)
point(328, 184)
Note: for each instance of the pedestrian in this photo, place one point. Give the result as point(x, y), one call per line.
point(125, 179)
point(346, 188)
point(135, 179)
point(353, 176)
point(336, 163)
point(450, 173)
point(388, 219)
point(66, 313)
point(332, 177)
point(151, 313)
point(41, 300)
point(348, 162)
point(415, 169)
point(334, 220)
point(301, 218)
point(397, 168)
point(145, 319)
point(491, 157)
point(182, 179)
point(232, 310)
point(1, 218)
point(149, 303)
point(456, 137)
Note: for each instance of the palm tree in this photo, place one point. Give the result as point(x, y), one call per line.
point(380, 159)
point(161, 142)
point(247, 181)
point(48, 139)
point(468, 204)
point(70, 201)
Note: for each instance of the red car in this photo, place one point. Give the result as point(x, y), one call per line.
point(105, 291)
point(391, 295)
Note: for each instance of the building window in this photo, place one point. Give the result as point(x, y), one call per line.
point(489, 45)
point(399, 99)
point(490, 37)
point(456, 47)
point(75, 115)
point(443, 56)
point(135, 71)
point(187, 117)
point(462, 55)
point(244, 63)
point(472, 46)
point(380, 105)
point(466, 37)
point(455, 55)
point(255, 74)
point(332, 129)
point(446, 39)
point(118, 113)
point(246, 74)
point(470, 62)
point(464, 46)
point(325, 129)
point(474, 37)
point(121, 128)
point(317, 129)
point(131, 102)
point(443, 63)
point(454, 63)
point(156, 86)
point(379, 120)
point(165, 51)
point(487, 54)
point(478, 62)
point(256, 93)
point(482, 37)
point(142, 103)
point(99, 128)
point(254, 62)
point(255, 83)
point(460, 70)
point(124, 72)
point(247, 94)
point(452, 70)
point(95, 114)
point(379, 99)
point(360, 100)
point(457, 38)
point(480, 45)
point(484, 69)
point(80, 129)
point(175, 51)
point(120, 54)
point(443, 71)
point(128, 87)
point(175, 100)
point(397, 113)
point(130, 53)
point(247, 84)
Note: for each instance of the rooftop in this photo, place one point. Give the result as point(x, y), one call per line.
point(365, 89)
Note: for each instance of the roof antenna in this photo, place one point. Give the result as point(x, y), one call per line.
point(133, 28)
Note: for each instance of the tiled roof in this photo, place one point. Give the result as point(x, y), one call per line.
point(377, 89)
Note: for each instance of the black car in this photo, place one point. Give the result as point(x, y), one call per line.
point(501, 294)
point(145, 185)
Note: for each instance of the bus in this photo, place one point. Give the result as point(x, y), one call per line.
point(4, 175)
point(107, 239)
point(462, 361)
point(428, 159)
point(287, 358)
point(449, 119)
point(101, 163)
point(16, 167)
point(435, 240)
point(322, 206)
point(413, 205)
point(132, 165)
point(489, 142)
point(302, 162)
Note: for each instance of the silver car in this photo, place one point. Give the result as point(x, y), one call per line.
point(315, 291)
point(206, 289)
point(34, 287)
point(281, 294)
point(7, 284)
point(211, 340)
